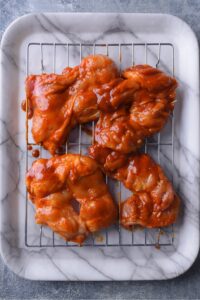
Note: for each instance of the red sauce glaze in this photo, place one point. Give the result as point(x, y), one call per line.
point(23, 105)
point(35, 153)
point(30, 113)
point(59, 102)
point(60, 188)
point(157, 246)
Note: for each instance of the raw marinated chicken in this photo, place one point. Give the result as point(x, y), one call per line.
point(141, 110)
point(154, 202)
point(58, 102)
point(132, 107)
point(121, 91)
point(68, 191)
point(114, 130)
point(70, 196)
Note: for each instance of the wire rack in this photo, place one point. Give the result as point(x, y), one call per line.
point(53, 57)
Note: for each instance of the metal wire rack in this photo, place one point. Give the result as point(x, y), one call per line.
point(72, 53)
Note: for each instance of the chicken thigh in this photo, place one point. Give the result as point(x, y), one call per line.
point(154, 202)
point(59, 102)
point(70, 196)
point(141, 110)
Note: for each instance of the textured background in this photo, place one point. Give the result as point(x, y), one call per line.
point(186, 286)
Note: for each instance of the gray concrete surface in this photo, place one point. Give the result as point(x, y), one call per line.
point(186, 286)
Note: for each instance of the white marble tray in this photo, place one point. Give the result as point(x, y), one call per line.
point(87, 263)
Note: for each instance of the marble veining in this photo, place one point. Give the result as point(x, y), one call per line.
point(111, 263)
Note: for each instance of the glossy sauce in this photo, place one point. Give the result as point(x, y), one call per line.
point(68, 99)
point(35, 153)
point(71, 209)
point(153, 202)
point(30, 114)
point(157, 246)
point(23, 107)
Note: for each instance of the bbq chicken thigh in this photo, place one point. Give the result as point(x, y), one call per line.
point(154, 202)
point(57, 103)
point(70, 196)
point(68, 191)
point(143, 102)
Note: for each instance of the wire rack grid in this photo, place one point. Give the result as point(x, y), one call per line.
point(72, 53)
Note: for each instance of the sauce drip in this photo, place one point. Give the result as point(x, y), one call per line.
point(99, 238)
point(23, 107)
point(29, 147)
point(30, 113)
point(157, 246)
point(35, 153)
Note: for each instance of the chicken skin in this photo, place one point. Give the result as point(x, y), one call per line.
point(121, 91)
point(154, 202)
point(68, 191)
point(57, 103)
point(114, 130)
point(147, 104)
point(142, 102)
point(70, 196)
point(130, 107)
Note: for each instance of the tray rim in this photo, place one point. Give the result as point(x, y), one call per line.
point(8, 31)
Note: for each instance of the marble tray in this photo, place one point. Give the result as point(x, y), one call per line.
point(99, 263)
